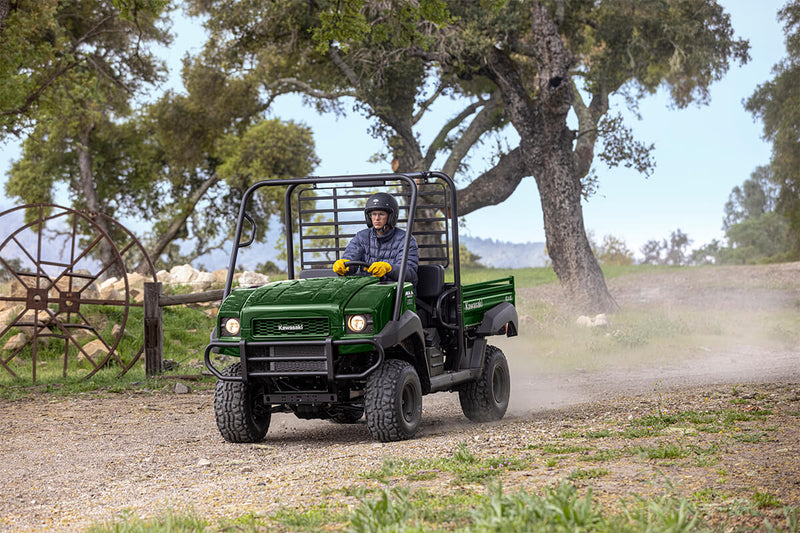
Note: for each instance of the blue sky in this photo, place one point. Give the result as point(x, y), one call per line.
point(701, 153)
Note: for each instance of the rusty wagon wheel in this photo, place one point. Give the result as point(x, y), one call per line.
point(58, 265)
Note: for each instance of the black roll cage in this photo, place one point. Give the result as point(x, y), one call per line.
point(409, 179)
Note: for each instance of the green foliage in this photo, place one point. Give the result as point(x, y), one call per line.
point(775, 103)
point(560, 508)
point(469, 259)
point(168, 521)
point(464, 465)
point(62, 59)
point(765, 499)
point(674, 251)
point(388, 511)
point(613, 251)
point(756, 239)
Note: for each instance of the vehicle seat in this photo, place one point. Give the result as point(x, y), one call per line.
point(317, 273)
point(430, 284)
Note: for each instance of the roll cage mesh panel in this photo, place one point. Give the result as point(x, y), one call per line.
point(329, 216)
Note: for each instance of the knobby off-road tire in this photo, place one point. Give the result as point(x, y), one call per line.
point(393, 401)
point(239, 409)
point(486, 399)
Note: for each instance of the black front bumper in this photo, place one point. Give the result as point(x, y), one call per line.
point(300, 365)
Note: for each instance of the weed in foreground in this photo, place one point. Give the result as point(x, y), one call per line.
point(764, 500)
point(666, 451)
point(307, 519)
point(167, 521)
point(464, 466)
point(591, 473)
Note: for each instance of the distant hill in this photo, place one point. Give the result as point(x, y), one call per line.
point(499, 254)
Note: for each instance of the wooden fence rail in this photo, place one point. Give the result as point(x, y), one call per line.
point(154, 300)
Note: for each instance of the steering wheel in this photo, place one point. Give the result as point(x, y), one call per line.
point(358, 264)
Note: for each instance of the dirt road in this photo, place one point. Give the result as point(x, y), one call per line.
point(66, 463)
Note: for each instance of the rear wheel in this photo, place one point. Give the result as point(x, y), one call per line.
point(241, 412)
point(393, 401)
point(487, 398)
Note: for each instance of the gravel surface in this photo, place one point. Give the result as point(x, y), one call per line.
point(70, 462)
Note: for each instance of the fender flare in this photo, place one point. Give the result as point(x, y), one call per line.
point(496, 318)
point(407, 328)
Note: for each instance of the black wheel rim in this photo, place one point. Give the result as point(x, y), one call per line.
point(258, 409)
point(499, 385)
point(408, 406)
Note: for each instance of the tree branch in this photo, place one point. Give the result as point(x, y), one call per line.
point(180, 219)
point(493, 186)
point(345, 69)
point(479, 125)
point(424, 106)
point(438, 142)
point(308, 89)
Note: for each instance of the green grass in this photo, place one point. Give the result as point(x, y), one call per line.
point(662, 451)
point(166, 521)
point(557, 449)
point(591, 473)
point(765, 499)
point(463, 465)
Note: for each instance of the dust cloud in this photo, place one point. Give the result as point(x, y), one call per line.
point(691, 327)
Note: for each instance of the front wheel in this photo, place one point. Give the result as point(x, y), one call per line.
point(486, 399)
point(241, 412)
point(393, 401)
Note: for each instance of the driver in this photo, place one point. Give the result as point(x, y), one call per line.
point(381, 243)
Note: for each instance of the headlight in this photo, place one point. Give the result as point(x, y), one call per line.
point(231, 326)
point(357, 323)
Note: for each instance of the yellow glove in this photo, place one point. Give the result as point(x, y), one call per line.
point(339, 267)
point(379, 269)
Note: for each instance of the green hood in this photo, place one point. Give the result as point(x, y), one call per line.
point(309, 292)
point(317, 303)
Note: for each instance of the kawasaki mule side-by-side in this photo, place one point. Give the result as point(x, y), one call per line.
point(322, 345)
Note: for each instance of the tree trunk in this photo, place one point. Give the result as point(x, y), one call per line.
point(567, 245)
point(546, 145)
point(105, 247)
point(179, 220)
point(5, 9)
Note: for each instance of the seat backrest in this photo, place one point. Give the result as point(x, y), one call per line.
point(430, 283)
point(316, 273)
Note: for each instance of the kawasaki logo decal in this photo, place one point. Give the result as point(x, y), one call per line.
point(473, 305)
point(290, 327)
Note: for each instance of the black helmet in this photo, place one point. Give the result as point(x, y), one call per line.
point(381, 201)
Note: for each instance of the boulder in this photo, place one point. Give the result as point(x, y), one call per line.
point(183, 274)
point(10, 314)
point(249, 279)
point(220, 276)
point(598, 321)
point(19, 340)
point(109, 292)
point(95, 349)
point(136, 280)
point(15, 342)
point(203, 281)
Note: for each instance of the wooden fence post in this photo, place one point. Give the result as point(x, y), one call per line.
point(153, 329)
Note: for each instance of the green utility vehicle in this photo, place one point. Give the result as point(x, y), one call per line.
point(336, 347)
